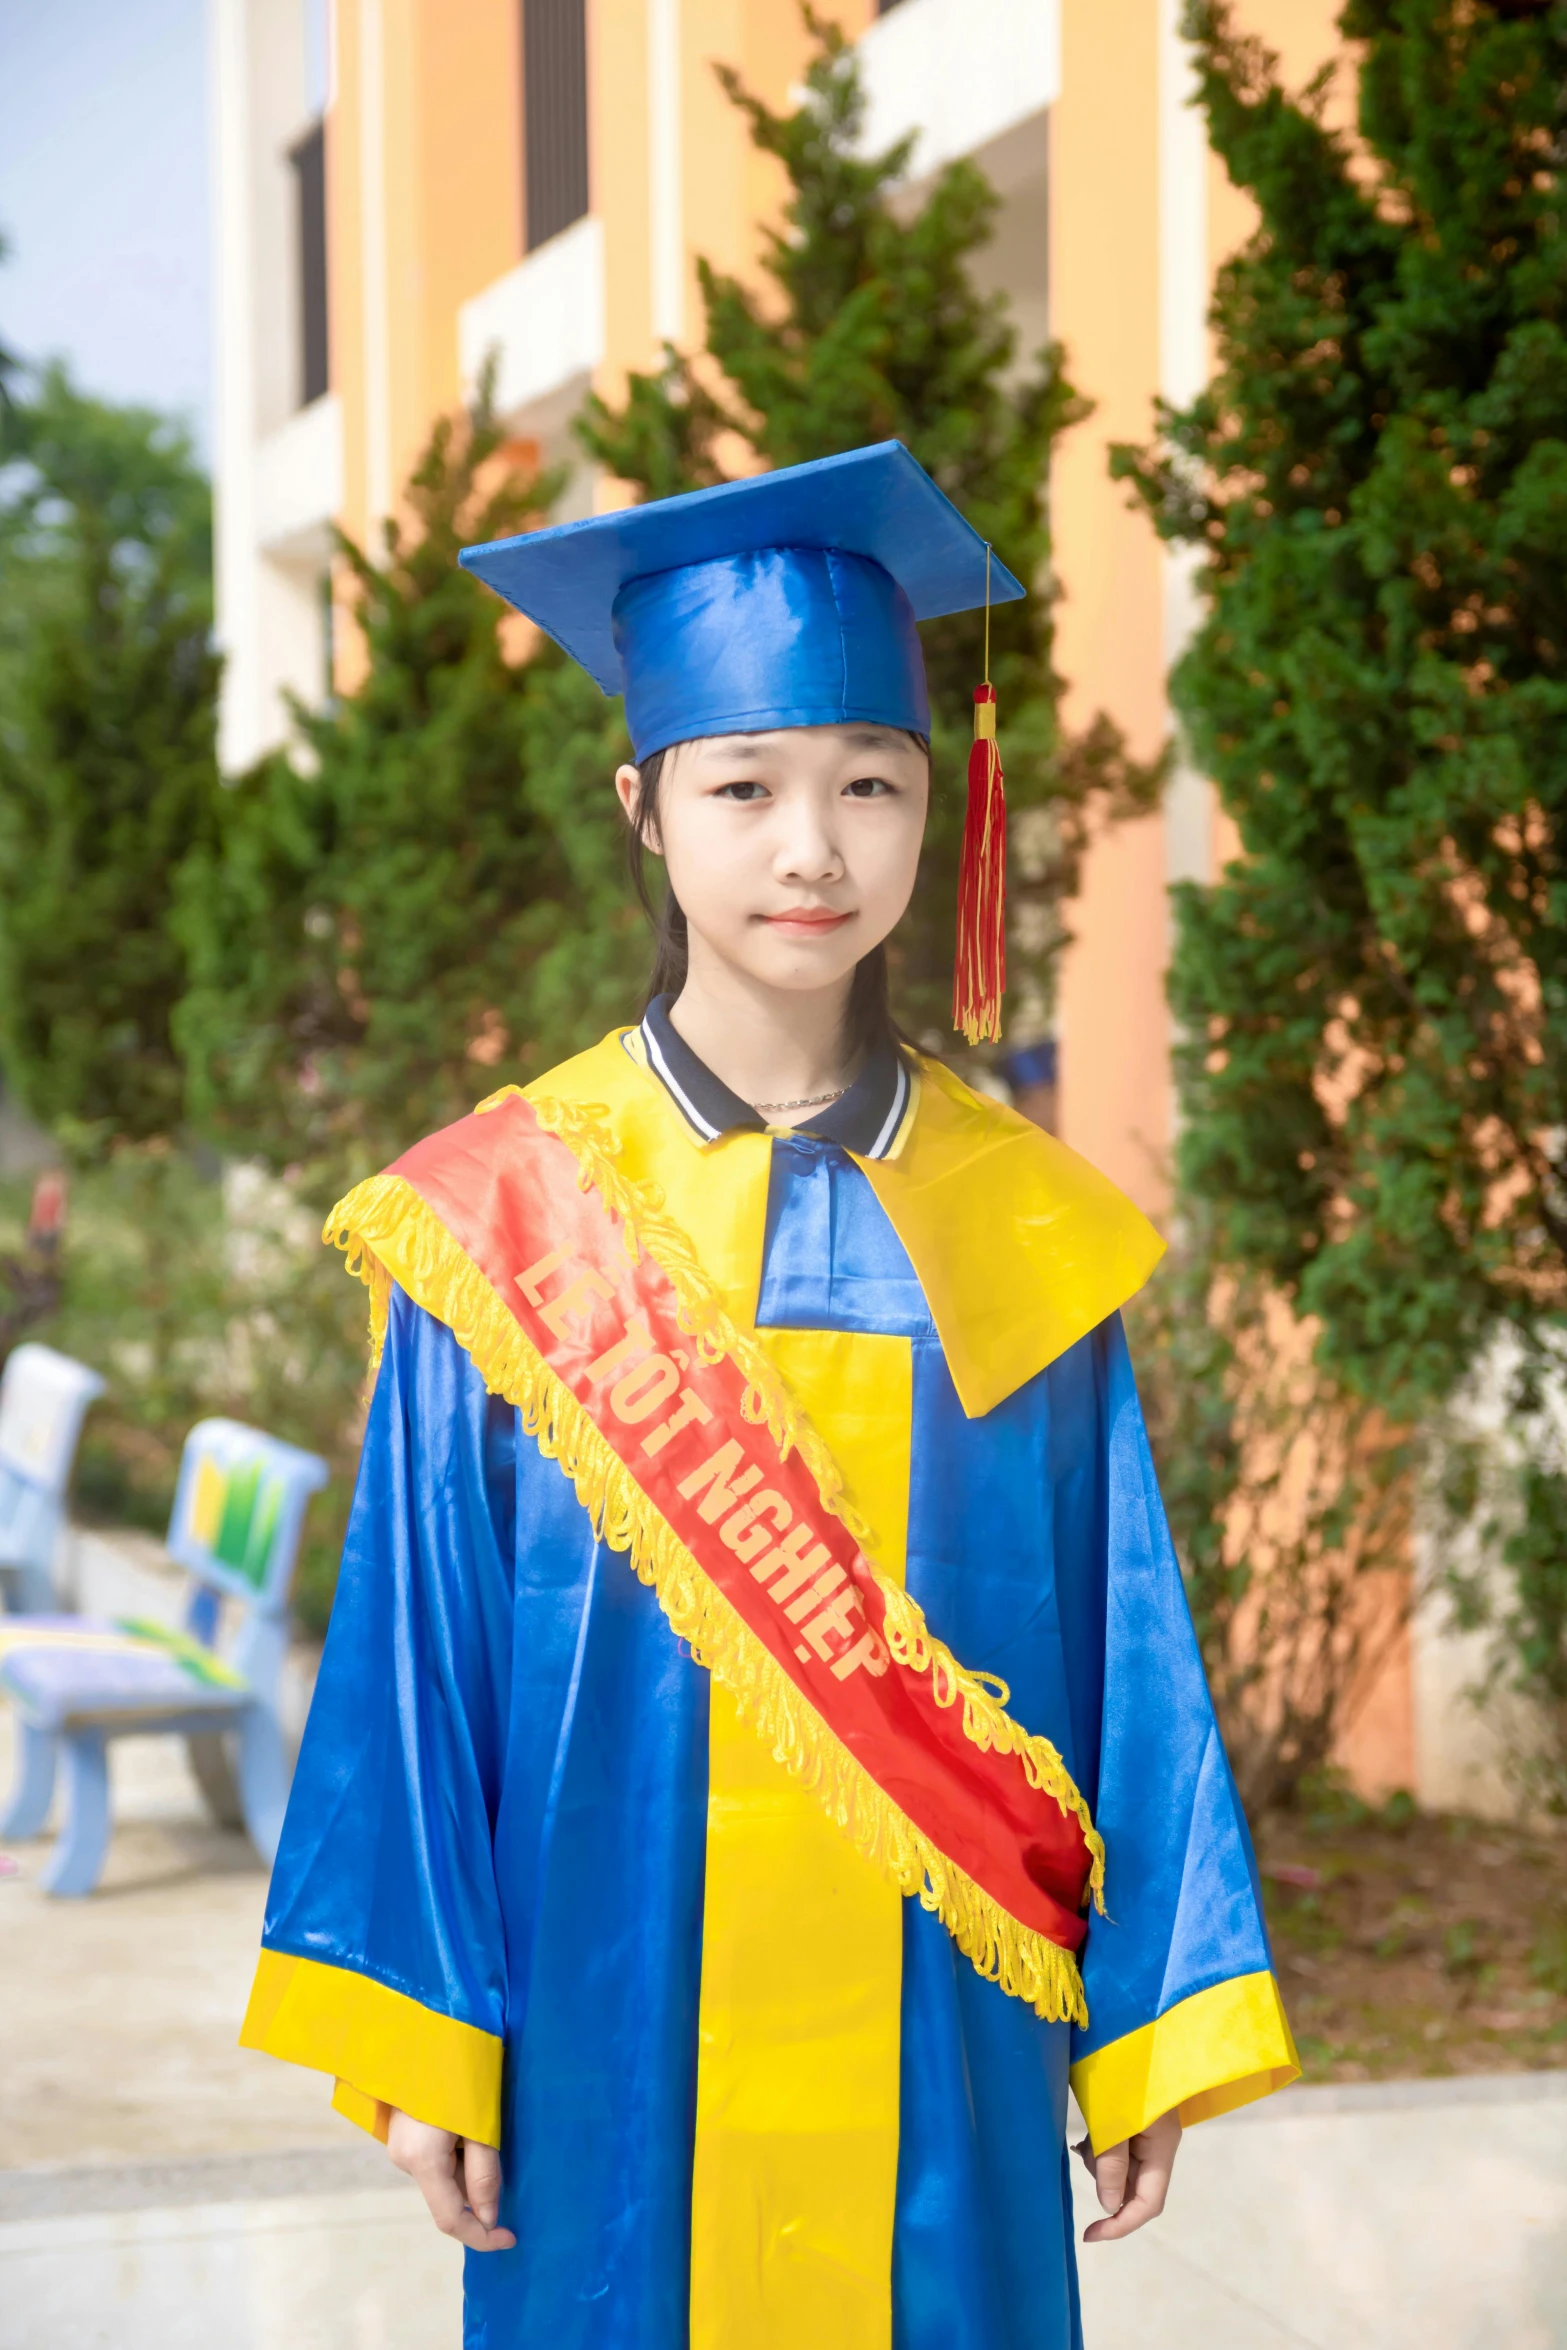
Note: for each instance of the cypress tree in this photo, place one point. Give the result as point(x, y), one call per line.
point(423, 898)
point(107, 776)
point(1372, 996)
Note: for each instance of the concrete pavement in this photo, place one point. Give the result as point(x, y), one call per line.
point(341, 2260)
point(1401, 2215)
point(1335, 2220)
point(160, 2189)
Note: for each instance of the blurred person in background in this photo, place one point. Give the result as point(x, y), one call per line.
point(30, 1275)
point(1032, 1077)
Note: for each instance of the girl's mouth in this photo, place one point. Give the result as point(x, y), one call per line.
point(808, 924)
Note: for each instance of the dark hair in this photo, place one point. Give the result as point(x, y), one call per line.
point(868, 1020)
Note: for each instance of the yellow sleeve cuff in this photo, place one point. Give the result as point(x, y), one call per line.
point(382, 2048)
point(1208, 2054)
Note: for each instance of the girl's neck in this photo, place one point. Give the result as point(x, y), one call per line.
point(768, 1045)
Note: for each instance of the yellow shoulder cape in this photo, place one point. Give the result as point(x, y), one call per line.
point(1020, 1246)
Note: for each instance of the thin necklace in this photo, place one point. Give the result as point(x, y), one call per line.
point(809, 1101)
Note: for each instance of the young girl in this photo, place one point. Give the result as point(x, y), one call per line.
point(761, 1754)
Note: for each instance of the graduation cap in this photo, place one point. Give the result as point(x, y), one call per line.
point(786, 599)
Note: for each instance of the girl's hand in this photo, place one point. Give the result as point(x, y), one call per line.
point(1133, 2178)
point(459, 2179)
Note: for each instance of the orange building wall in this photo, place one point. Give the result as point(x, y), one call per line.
point(468, 66)
point(618, 182)
point(407, 324)
point(1104, 301)
point(451, 147)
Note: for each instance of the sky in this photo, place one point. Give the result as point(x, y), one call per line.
point(104, 198)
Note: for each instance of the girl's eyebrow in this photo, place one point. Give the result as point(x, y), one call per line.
point(739, 746)
point(740, 749)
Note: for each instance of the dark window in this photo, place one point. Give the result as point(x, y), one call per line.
point(309, 162)
point(554, 116)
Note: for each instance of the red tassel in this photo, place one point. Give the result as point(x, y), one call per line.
point(980, 972)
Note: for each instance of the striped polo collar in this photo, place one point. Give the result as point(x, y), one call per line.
point(867, 1120)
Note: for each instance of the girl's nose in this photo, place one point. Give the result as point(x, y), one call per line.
point(808, 851)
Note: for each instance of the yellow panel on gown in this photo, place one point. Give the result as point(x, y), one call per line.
point(796, 2164)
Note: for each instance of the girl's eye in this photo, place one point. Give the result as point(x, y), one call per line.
point(741, 791)
point(867, 787)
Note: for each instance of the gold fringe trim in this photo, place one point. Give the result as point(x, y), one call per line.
point(388, 1233)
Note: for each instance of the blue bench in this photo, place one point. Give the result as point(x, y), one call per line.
point(75, 1682)
point(44, 1398)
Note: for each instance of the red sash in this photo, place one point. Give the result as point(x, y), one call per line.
point(974, 1814)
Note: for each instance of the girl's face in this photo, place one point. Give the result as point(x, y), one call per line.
point(792, 854)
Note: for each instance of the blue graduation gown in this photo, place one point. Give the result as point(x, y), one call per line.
point(500, 1810)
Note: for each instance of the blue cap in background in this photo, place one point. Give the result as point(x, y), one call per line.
point(1032, 1064)
point(787, 599)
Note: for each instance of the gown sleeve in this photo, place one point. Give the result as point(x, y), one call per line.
point(383, 1958)
point(1184, 2009)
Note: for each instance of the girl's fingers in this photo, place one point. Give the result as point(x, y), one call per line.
point(1111, 2171)
point(1145, 2202)
point(415, 2146)
point(481, 2180)
point(440, 2170)
point(1146, 2181)
point(442, 2190)
point(452, 2214)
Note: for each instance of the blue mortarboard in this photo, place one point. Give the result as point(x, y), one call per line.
point(787, 599)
